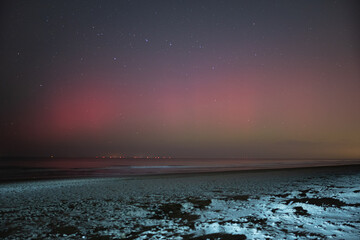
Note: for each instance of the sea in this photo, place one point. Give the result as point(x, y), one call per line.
point(24, 169)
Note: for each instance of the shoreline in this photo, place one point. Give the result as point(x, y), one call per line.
point(295, 203)
point(179, 174)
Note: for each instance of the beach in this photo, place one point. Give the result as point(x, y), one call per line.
point(303, 203)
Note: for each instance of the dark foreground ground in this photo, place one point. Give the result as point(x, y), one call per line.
point(312, 203)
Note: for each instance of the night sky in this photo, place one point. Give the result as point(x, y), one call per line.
point(262, 79)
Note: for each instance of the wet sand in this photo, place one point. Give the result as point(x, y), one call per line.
point(307, 203)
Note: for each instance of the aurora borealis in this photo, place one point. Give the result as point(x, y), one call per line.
point(262, 79)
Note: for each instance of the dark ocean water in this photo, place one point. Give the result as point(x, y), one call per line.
point(59, 168)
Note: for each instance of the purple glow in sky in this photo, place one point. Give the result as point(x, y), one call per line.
point(277, 79)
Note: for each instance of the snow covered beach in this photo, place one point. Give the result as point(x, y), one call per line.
point(307, 203)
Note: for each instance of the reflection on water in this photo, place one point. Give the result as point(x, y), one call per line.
point(48, 168)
